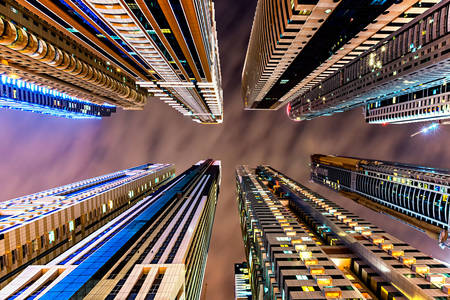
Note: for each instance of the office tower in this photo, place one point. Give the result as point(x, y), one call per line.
point(117, 53)
point(295, 45)
point(285, 262)
point(156, 249)
point(378, 264)
point(37, 228)
point(242, 290)
point(403, 78)
point(47, 70)
point(414, 194)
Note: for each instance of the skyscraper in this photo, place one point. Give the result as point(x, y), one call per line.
point(336, 252)
point(156, 249)
point(38, 227)
point(295, 45)
point(117, 53)
point(284, 260)
point(403, 78)
point(415, 194)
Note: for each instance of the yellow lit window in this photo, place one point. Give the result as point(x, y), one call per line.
point(350, 277)
point(307, 288)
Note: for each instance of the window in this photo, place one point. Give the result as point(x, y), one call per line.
point(34, 245)
point(307, 288)
point(104, 208)
point(301, 277)
point(51, 236)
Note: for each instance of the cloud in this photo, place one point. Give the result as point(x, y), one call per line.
point(38, 152)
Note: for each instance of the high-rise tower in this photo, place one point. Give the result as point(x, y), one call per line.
point(156, 249)
point(401, 78)
point(300, 245)
point(295, 45)
point(38, 227)
point(284, 260)
point(415, 194)
point(116, 52)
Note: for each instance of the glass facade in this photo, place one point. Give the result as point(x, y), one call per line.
point(418, 192)
point(285, 259)
point(162, 241)
point(406, 61)
point(70, 213)
point(378, 264)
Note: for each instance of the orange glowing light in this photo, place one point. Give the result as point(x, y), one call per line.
point(397, 253)
point(316, 270)
point(387, 246)
point(366, 233)
point(408, 260)
point(377, 240)
point(333, 293)
point(311, 261)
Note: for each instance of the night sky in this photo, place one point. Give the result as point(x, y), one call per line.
point(38, 152)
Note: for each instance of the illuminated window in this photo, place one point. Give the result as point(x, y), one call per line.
point(110, 204)
point(307, 288)
point(104, 208)
point(350, 277)
point(71, 226)
point(156, 180)
point(51, 236)
point(301, 277)
point(287, 252)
